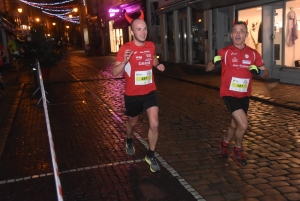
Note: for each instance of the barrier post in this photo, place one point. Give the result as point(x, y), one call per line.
point(53, 156)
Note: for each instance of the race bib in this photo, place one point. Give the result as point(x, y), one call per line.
point(143, 77)
point(239, 84)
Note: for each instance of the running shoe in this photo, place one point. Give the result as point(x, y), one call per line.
point(224, 149)
point(239, 156)
point(154, 167)
point(129, 148)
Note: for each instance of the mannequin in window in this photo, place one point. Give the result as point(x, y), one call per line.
point(292, 28)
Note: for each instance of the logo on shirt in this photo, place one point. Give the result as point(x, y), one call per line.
point(139, 57)
point(234, 59)
point(246, 62)
point(246, 56)
point(233, 53)
point(144, 63)
point(148, 55)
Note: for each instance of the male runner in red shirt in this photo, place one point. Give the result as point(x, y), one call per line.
point(137, 58)
point(238, 63)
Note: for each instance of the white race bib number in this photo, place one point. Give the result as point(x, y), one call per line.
point(143, 77)
point(239, 84)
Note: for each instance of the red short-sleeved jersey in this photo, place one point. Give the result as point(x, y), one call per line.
point(236, 78)
point(1, 49)
point(138, 71)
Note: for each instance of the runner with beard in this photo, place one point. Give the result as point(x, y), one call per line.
point(239, 63)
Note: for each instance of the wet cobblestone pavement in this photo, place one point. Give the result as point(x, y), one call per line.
point(87, 122)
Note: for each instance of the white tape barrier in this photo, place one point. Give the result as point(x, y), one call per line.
point(53, 156)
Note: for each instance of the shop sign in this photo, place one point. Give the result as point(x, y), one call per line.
point(113, 11)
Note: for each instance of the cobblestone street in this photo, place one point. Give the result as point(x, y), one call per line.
point(86, 115)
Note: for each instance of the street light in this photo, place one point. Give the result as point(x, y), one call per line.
point(67, 27)
point(37, 19)
point(53, 23)
point(20, 10)
point(75, 10)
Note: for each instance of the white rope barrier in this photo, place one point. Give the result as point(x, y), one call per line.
point(53, 156)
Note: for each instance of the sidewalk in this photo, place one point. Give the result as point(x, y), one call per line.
point(9, 100)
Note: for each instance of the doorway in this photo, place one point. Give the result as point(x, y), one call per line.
point(116, 38)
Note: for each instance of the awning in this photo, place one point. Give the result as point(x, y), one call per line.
point(7, 25)
point(120, 23)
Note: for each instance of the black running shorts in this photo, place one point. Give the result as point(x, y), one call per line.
point(233, 103)
point(135, 105)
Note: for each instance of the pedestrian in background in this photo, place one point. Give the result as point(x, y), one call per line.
point(239, 63)
point(13, 47)
point(137, 58)
point(3, 55)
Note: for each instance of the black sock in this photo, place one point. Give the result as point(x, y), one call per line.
point(150, 153)
point(129, 140)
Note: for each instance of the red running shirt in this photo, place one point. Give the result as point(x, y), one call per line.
point(138, 71)
point(236, 79)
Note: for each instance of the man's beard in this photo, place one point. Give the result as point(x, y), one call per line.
point(136, 38)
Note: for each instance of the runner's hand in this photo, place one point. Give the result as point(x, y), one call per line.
point(127, 55)
point(217, 60)
point(254, 70)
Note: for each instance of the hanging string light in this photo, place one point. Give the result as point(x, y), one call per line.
point(52, 9)
point(47, 4)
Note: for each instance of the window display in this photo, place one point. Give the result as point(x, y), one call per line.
point(292, 43)
point(254, 18)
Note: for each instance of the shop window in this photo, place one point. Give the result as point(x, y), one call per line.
point(254, 18)
point(292, 34)
point(198, 37)
point(116, 37)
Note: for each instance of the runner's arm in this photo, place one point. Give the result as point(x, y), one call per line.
point(265, 74)
point(156, 64)
point(119, 66)
point(210, 66)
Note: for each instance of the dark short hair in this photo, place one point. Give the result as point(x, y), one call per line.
point(240, 22)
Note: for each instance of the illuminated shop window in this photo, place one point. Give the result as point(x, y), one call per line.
point(254, 18)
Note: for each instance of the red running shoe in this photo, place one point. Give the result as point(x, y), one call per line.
point(239, 156)
point(224, 149)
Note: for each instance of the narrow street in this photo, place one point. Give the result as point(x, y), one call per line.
point(86, 115)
